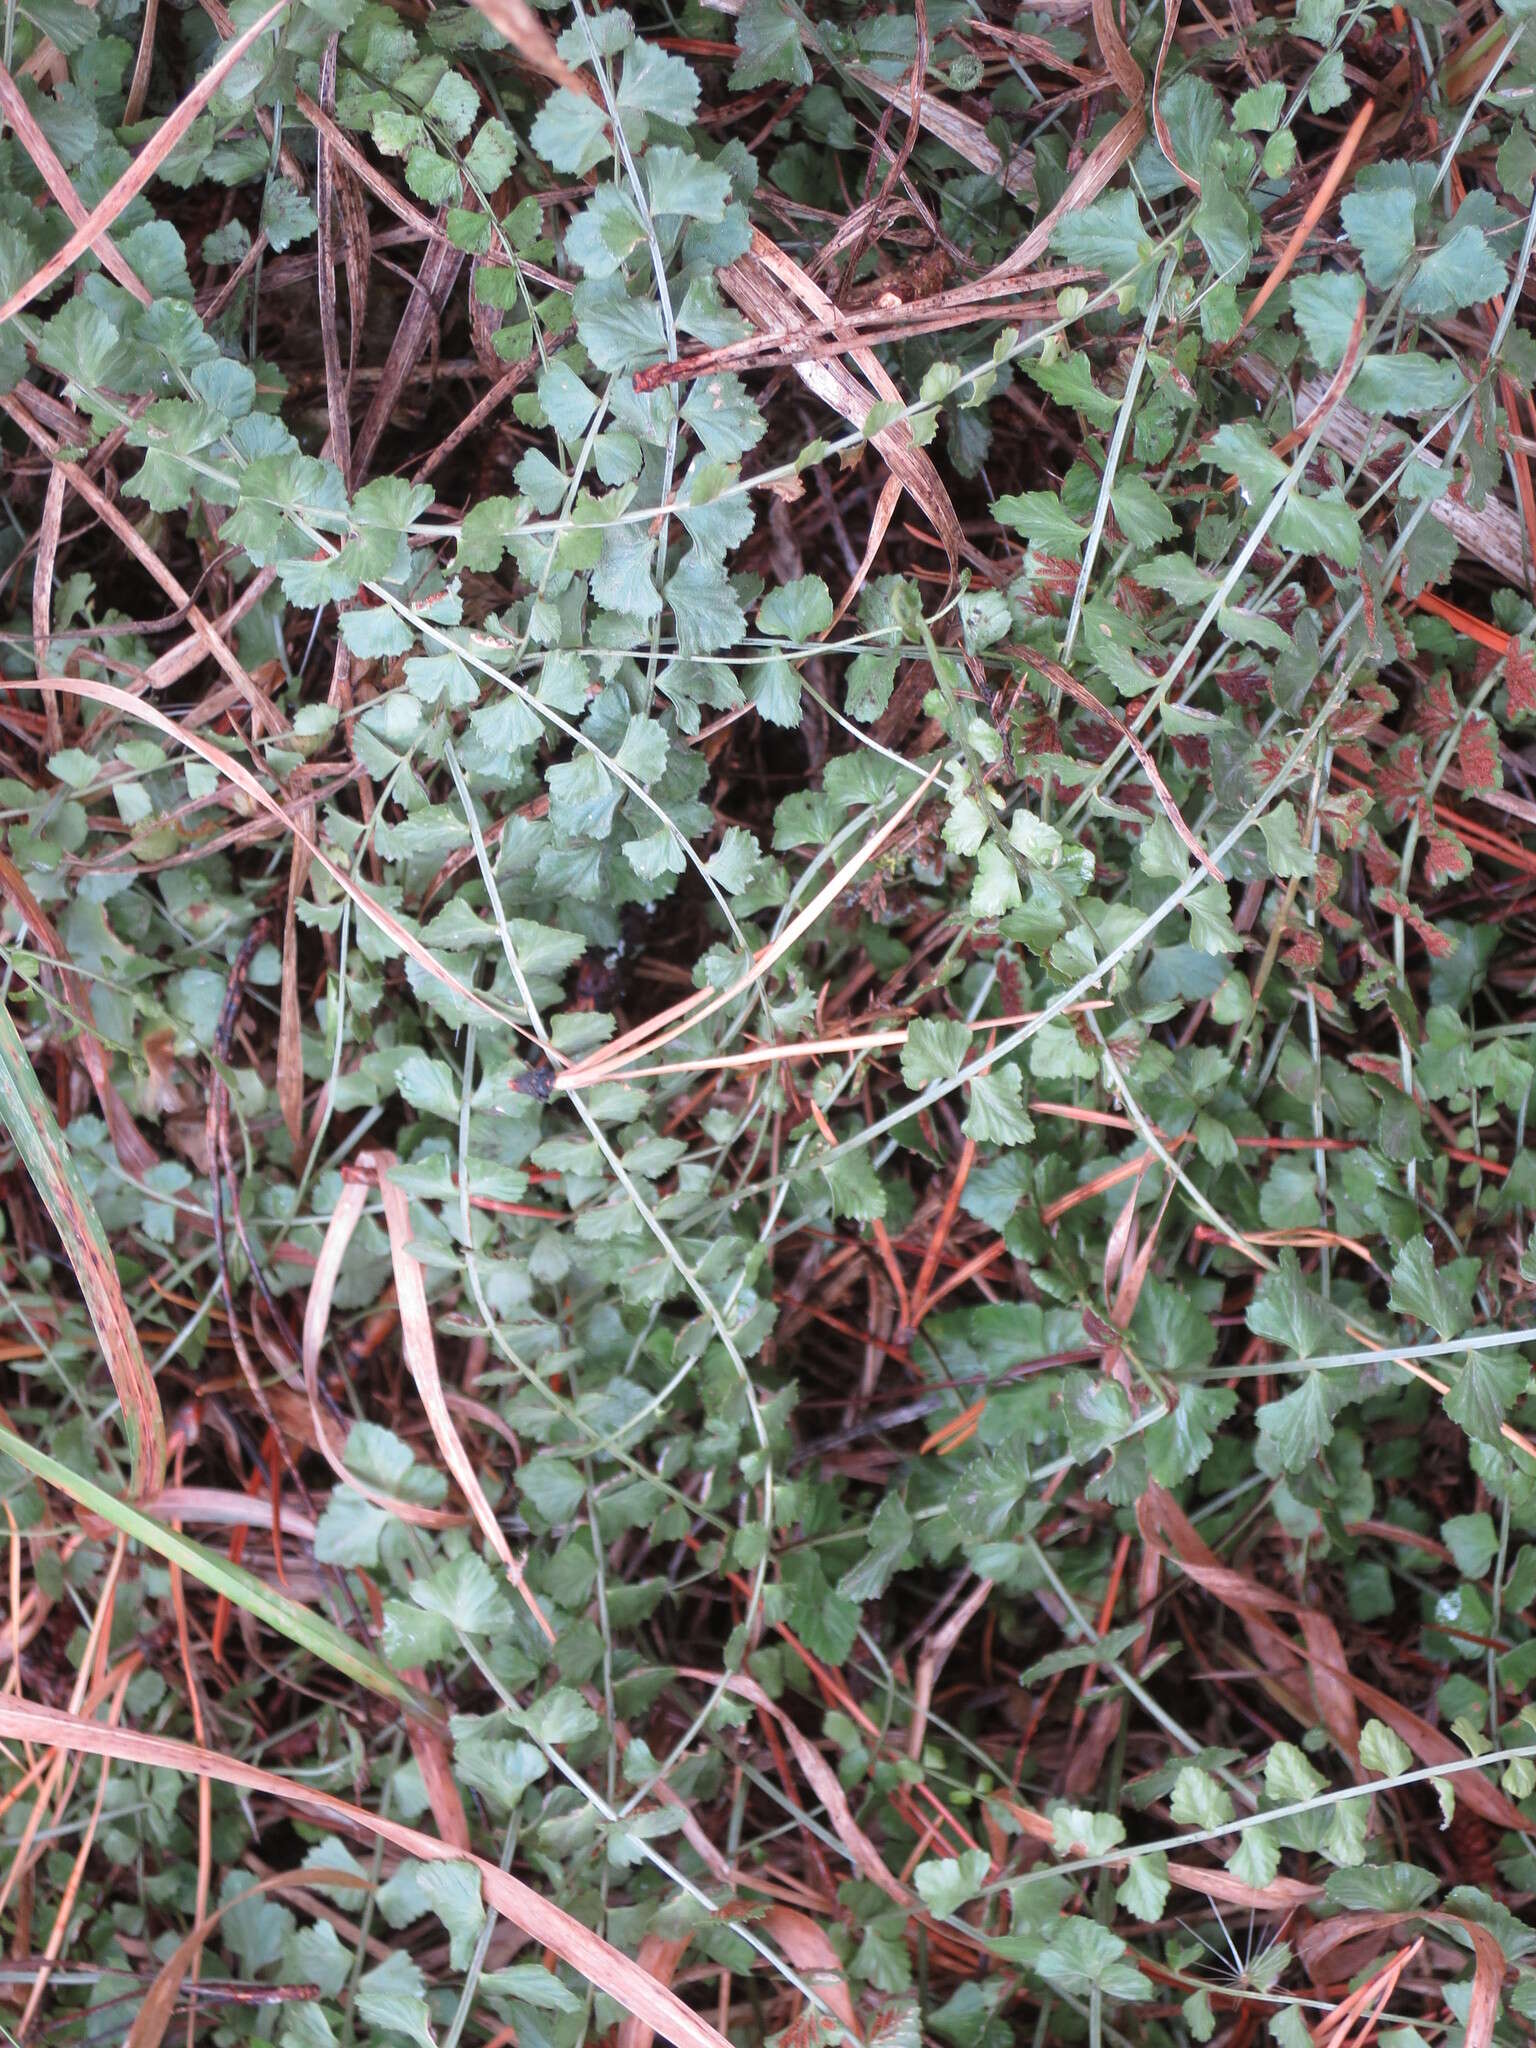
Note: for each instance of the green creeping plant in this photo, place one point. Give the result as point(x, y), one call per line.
point(859, 684)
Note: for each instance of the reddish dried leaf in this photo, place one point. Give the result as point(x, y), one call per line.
point(1437, 711)
point(1520, 680)
point(1344, 813)
point(1381, 863)
point(1367, 705)
point(1435, 943)
point(1477, 751)
point(1304, 952)
point(1398, 780)
point(1376, 1063)
point(1270, 763)
point(1039, 734)
point(1246, 686)
point(1446, 859)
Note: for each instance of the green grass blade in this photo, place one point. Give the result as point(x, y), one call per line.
point(312, 1632)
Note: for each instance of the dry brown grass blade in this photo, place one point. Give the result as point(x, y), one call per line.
point(797, 1049)
point(434, 1759)
point(290, 1049)
point(633, 1043)
point(532, 42)
point(1116, 149)
point(1338, 384)
point(1431, 1747)
point(357, 254)
point(1493, 532)
point(26, 1115)
point(141, 170)
point(236, 772)
point(798, 1937)
point(587, 1953)
point(694, 1009)
point(56, 178)
point(659, 1954)
point(1317, 206)
point(1159, 125)
point(42, 597)
point(203, 1881)
point(262, 709)
point(317, 1315)
point(879, 526)
point(1280, 1895)
point(821, 1778)
point(440, 266)
point(26, 1613)
point(92, 1686)
point(804, 340)
point(337, 387)
point(922, 1289)
point(155, 2014)
point(1081, 694)
point(945, 123)
point(221, 1507)
point(1115, 51)
point(1366, 2004)
point(935, 1655)
point(1167, 1529)
point(953, 127)
point(138, 86)
point(367, 174)
point(135, 1153)
point(1164, 1524)
point(1334, 1695)
point(180, 660)
point(1318, 1942)
point(421, 1356)
point(298, 1894)
point(484, 406)
point(63, 1916)
point(769, 286)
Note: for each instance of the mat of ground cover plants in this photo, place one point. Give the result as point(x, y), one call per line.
point(768, 880)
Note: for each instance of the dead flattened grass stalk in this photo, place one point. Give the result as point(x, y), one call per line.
point(34, 1131)
point(144, 167)
point(584, 1951)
